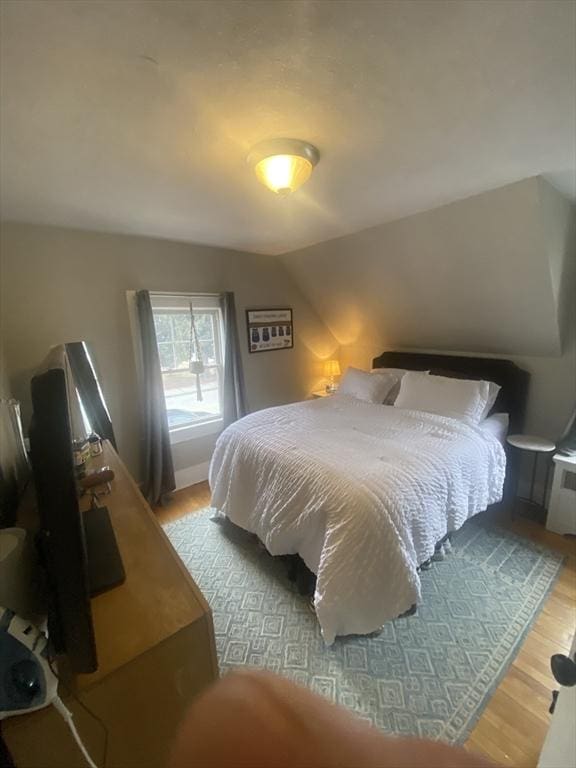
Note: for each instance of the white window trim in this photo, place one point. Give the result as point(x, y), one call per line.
point(193, 431)
point(188, 432)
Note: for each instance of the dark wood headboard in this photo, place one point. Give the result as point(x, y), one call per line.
point(513, 380)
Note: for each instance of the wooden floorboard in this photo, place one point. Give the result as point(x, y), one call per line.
point(512, 727)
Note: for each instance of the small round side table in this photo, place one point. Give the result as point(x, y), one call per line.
point(538, 446)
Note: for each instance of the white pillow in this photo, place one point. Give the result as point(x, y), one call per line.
point(398, 373)
point(363, 386)
point(457, 398)
point(493, 390)
point(496, 425)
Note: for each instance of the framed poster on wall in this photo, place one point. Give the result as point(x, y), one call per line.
point(269, 329)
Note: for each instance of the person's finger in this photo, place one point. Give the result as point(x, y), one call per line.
point(251, 719)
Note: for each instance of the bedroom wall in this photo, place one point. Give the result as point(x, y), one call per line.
point(60, 285)
point(492, 274)
point(5, 391)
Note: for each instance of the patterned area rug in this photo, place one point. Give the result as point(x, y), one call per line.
point(428, 675)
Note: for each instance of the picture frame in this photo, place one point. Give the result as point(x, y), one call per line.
point(269, 329)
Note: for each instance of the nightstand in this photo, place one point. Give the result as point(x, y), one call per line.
point(322, 393)
point(537, 446)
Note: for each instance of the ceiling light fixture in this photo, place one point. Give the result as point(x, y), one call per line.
point(283, 165)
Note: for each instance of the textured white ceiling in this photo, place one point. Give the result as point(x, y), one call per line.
point(136, 117)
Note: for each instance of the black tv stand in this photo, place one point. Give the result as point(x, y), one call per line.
point(104, 563)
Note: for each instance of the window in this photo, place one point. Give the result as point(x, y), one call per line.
point(191, 356)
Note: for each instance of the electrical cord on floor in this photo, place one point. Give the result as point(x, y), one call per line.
point(69, 719)
point(71, 724)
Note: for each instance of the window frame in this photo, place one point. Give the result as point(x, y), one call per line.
point(207, 303)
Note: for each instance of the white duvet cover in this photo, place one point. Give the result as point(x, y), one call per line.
point(362, 492)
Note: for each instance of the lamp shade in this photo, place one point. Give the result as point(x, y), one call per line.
point(283, 174)
point(331, 368)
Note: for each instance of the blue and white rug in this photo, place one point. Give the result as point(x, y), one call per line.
point(427, 675)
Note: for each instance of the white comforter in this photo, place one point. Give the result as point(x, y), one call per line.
point(362, 492)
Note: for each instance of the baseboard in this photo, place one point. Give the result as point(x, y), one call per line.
point(191, 475)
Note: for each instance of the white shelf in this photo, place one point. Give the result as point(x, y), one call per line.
point(562, 508)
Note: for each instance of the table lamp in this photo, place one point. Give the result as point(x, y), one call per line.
point(331, 369)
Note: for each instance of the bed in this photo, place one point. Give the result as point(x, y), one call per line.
point(361, 492)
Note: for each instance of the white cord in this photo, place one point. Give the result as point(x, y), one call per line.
point(68, 717)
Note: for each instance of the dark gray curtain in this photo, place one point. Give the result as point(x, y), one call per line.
point(158, 469)
point(234, 394)
point(87, 386)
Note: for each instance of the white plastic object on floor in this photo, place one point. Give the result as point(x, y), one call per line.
point(559, 750)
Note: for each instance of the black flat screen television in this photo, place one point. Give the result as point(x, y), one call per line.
point(78, 549)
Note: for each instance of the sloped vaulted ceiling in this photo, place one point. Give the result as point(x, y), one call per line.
point(136, 117)
point(488, 274)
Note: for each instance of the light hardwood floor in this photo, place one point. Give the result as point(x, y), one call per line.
point(512, 728)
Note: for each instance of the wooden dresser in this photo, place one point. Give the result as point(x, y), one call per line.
point(155, 645)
